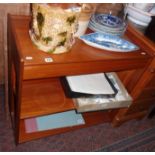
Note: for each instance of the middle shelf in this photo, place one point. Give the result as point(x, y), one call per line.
point(48, 96)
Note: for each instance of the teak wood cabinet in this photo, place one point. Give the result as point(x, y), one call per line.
point(35, 88)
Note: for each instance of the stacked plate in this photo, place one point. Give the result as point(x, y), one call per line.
point(108, 24)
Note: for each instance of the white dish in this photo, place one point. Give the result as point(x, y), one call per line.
point(144, 6)
point(137, 21)
point(108, 42)
point(138, 14)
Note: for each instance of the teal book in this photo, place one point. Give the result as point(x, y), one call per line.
point(54, 121)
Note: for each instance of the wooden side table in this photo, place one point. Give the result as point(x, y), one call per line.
point(34, 85)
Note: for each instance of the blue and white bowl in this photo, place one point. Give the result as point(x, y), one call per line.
point(108, 20)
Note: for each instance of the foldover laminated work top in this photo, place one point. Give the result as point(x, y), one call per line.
point(88, 85)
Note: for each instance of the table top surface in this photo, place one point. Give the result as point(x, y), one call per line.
point(80, 52)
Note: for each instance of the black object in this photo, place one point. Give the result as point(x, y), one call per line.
point(150, 30)
point(71, 94)
point(152, 113)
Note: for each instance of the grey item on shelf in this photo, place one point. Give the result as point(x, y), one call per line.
point(122, 98)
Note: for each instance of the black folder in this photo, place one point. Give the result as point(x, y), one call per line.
point(72, 94)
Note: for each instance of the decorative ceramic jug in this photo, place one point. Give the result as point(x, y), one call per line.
point(53, 26)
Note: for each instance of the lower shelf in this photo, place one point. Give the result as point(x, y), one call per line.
point(91, 118)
